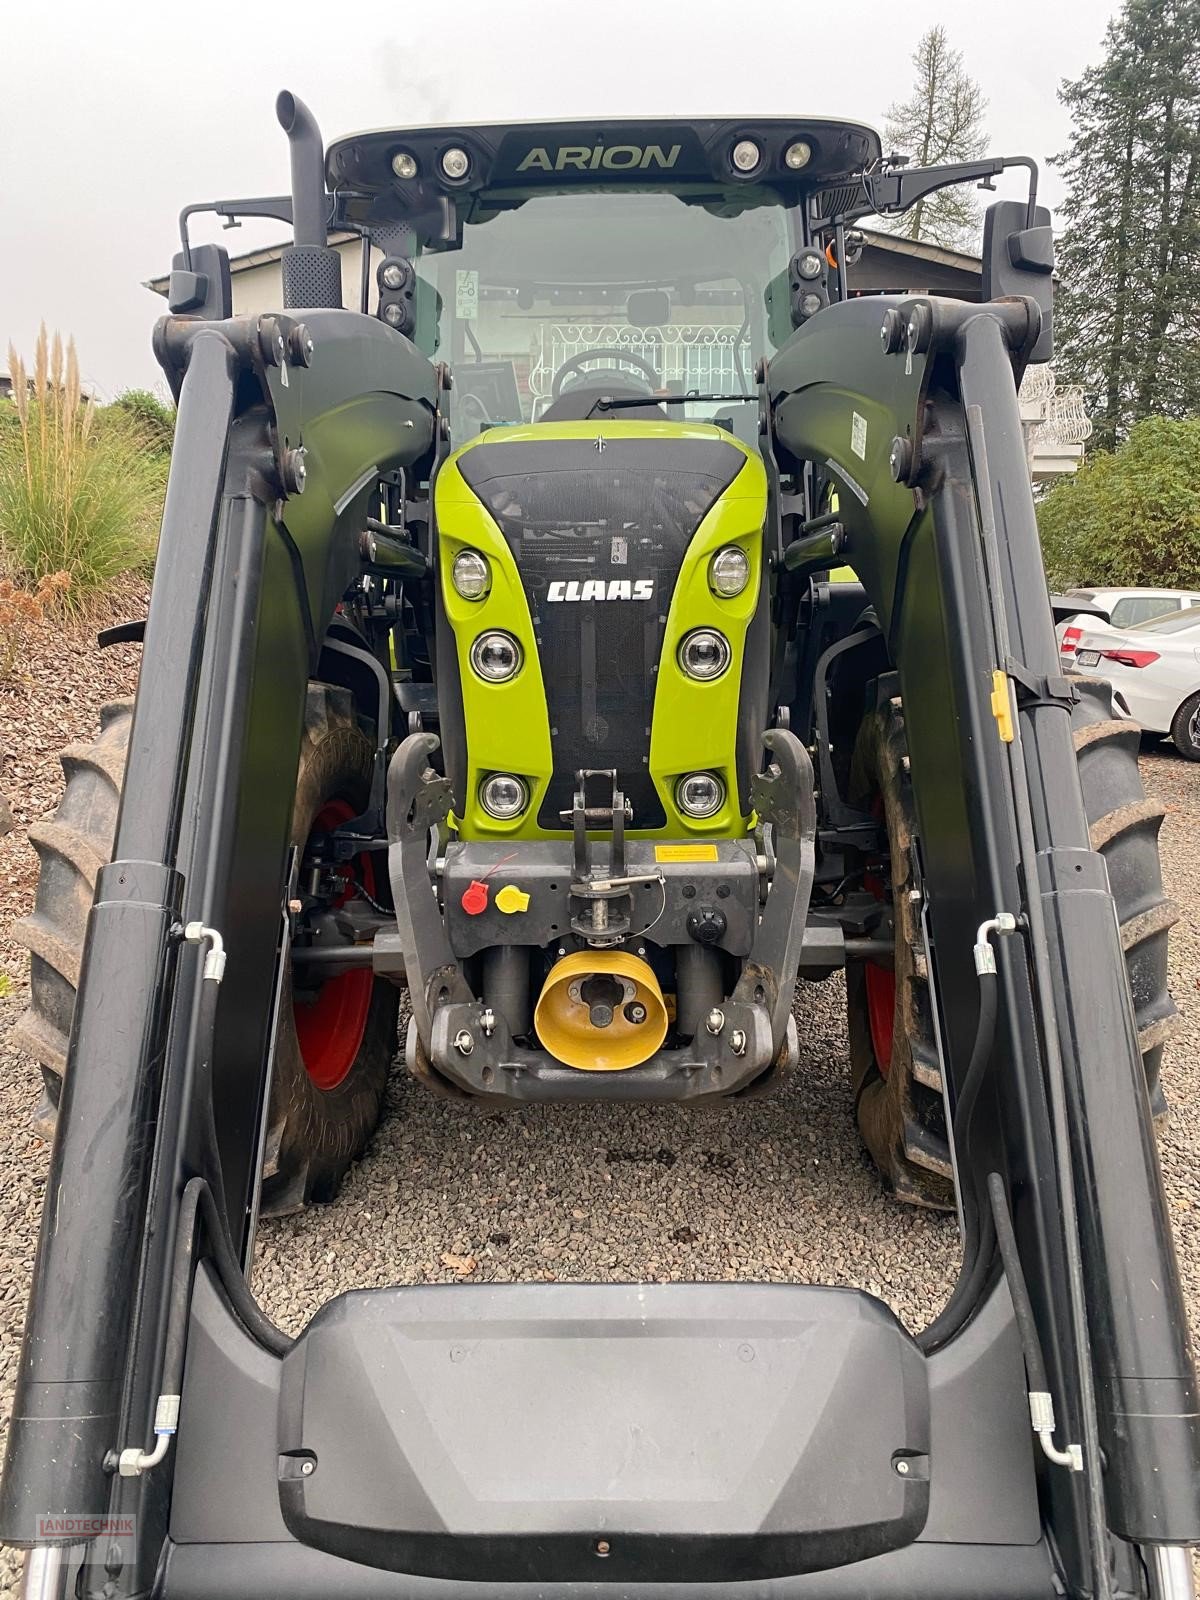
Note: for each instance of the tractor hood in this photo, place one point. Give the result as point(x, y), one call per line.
point(598, 538)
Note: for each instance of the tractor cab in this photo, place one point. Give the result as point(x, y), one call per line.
point(574, 272)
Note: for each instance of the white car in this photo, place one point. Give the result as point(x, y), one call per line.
point(1155, 667)
point(1115, 608)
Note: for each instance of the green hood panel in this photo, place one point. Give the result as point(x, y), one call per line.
point(573, 506)
point(610, 427)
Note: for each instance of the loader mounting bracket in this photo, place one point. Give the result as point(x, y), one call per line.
point(1040, 689)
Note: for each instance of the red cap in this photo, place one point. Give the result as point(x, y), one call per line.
point(475, 898)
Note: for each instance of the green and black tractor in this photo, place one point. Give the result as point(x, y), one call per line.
point(628, 614)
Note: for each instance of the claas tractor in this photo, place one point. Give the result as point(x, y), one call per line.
point(621, 616)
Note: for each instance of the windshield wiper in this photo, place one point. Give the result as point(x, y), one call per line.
point(615, 403)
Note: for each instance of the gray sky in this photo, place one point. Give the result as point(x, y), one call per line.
point(110, 121)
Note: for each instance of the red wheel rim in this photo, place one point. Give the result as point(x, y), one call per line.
point(881, 1012)
point(330, 1027)
point(880, 982)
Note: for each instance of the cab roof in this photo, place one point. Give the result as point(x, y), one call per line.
point(506, 163)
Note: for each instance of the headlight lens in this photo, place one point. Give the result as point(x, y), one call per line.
point(729, 572)
point(456, 163)
point(502, 796)
point(496, 657)
point(700, 794)
point(746, 155)
point(471, 575)
point(704, 653)
point(798, 155)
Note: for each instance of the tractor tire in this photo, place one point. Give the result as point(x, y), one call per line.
point(898, 1101)
point(314, 1132)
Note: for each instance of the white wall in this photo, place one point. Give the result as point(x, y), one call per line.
point(259, 289)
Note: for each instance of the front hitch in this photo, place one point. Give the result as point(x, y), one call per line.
point(456, 1036)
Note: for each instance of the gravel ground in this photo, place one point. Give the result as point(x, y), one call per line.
point(777, 1190)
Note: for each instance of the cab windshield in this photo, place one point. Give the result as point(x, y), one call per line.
point(677, 300)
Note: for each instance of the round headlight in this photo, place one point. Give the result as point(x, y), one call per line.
point(746, 155)
point(392, 275)
point(798, 155)
point(455, 162)
point(704, 653)
point(496, 657)
point(810, 304)
point(404, 165)
point(502, 796)
point(700, 794)
point(729, 572)
point(808, 264)
point(471, 575)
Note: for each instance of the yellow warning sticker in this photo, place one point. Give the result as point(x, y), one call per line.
point(686, 852)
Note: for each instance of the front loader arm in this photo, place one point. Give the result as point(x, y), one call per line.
point(283, 429)
point(910, 406)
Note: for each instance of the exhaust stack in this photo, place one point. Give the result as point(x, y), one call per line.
point(312, 269)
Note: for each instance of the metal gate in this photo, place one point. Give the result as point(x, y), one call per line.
point(688, 356)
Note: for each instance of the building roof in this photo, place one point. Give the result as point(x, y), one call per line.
point(264, 257)
point(940, 269)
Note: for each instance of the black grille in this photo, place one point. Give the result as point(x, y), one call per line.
point(576, 518)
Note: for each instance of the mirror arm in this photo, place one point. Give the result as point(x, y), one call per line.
point(278, 206)
point(898, 189)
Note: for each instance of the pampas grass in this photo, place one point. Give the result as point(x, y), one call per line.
point(74, 498)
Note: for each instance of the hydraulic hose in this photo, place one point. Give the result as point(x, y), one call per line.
point(978, 1238)
point(199, 1205)
point(1041, 1402)
point(202, 1096)
point(245, 1307)
point(212, 1212)
point(196, 1205)
point(1031, 1344)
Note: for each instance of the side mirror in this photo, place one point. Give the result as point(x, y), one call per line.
point(1019, 260)
point(205, 290)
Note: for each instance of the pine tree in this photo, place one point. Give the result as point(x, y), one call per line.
point(941, 121)
point(1128, 316)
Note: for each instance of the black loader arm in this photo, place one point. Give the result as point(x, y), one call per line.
point(909, 405)
point(284, 428)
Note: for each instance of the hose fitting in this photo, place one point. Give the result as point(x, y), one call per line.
point(133, 1462)
point(214, 960)
point(985, 956)
point(1041, 1414)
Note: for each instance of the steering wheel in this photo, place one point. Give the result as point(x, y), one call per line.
point(615, 356)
